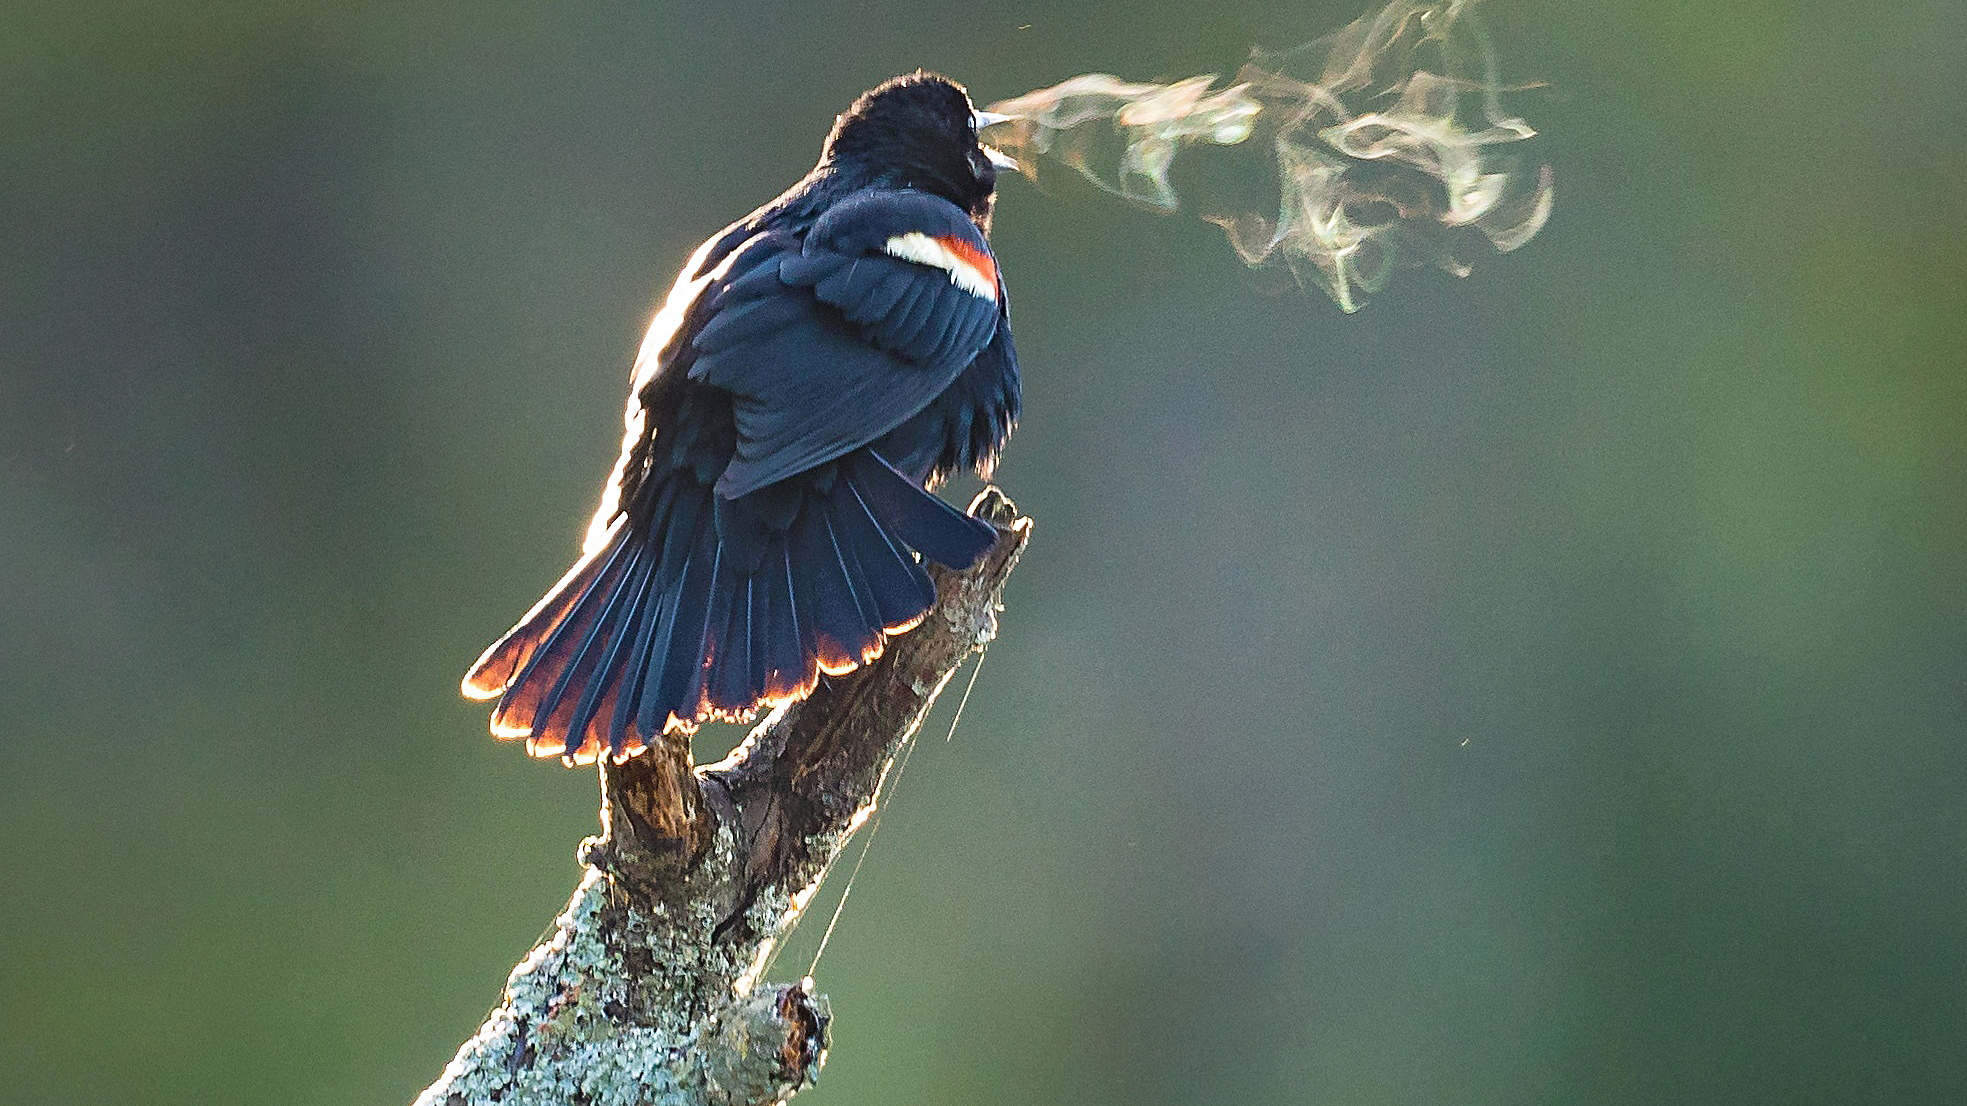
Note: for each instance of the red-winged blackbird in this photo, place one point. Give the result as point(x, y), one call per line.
point(817, 368)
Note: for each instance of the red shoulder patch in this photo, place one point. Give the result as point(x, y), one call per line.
point(972, 255)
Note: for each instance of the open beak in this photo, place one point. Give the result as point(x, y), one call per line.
point(996, 156)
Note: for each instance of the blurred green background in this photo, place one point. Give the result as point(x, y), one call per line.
point(1542, 687)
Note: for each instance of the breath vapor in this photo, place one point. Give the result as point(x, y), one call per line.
point(1382, 146)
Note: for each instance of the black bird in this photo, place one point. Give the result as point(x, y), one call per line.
point(817, 369)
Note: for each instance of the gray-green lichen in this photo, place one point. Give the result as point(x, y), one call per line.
point(579, 1024)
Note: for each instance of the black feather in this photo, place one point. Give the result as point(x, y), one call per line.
point(582, 665)
point(542, 670)
point(730, 667)
point(922, 521)
point(757, 644)
point(747, 321)
point(901, 589)
point(626, 623)
point(634, 673)
point(677, 652)
point(850, 566)
point(827, 598)
point(787, 651)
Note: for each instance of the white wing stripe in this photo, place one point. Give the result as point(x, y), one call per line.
point(924, 250)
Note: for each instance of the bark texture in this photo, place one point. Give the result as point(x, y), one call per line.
point(647, 991)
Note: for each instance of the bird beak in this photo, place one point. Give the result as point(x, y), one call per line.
point(997, 157)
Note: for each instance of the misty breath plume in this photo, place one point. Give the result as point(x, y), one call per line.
point(1384, 145)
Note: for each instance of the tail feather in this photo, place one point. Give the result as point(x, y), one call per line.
point(825, 595)
point(621, 732)
point(712, 609)
point(575, 660)
point(791, 668)
point(868, 624)
point(606, 678)
point(499, 665)
point(901, 589)
point(676, 666)
point(758, 617)
point(697, 701)
point(728, 688)
point(920, 519)
point(682, 533)
point(520, 703)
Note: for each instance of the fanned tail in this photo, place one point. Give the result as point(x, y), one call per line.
point(712, 608)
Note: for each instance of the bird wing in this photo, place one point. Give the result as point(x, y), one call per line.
point(828, 343)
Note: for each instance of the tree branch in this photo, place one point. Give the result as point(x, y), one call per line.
point(646, 993)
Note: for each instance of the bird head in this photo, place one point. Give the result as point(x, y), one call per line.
point(920, 131)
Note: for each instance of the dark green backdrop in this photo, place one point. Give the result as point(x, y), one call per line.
point(1545, 687)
